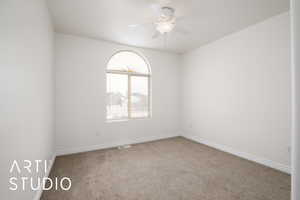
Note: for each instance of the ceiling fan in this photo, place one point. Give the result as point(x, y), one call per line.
point(165, 21)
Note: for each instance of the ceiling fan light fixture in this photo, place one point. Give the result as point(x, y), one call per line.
point(165, 27)
point(166, 21)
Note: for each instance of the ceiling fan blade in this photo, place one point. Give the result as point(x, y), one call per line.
point(134, 25)
point(139, 25)
point(181, 30)
point(180, 18)
point(156, 8)
point(155, 35)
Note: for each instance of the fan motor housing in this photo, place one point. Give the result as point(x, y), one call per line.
point(167, 11)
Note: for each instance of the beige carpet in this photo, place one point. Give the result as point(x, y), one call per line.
point(171, 169)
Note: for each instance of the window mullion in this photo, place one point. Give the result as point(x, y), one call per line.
point(149, 97)
point(129, 96)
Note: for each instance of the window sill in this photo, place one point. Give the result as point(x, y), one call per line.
point(126, 119)
point(116, 120)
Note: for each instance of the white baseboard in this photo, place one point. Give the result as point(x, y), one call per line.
point(72, 150)
point(40, 191)
point(248, 156)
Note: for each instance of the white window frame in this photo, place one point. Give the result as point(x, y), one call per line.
point(132, 74)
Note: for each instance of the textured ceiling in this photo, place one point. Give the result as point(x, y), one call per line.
point(205, 20)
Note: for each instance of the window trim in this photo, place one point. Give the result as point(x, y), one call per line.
point(130, 74)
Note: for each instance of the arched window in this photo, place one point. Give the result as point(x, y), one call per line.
point(127, 86)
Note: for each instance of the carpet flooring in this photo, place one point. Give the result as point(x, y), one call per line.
point(170, 169)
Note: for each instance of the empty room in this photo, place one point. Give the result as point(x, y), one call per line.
point(150, 100)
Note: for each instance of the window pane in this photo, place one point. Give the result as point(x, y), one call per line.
point(129, 62)
point(116, 95)
point(139, 97)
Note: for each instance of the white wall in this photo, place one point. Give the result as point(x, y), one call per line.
point(295, 7)
point(26, 88)
point(80, 96)
point(236, 92)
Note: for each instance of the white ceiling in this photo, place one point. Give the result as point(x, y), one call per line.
point(206, 20)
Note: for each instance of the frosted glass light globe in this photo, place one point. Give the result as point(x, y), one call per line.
point(165, 27)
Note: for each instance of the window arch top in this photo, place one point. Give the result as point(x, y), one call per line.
point(128, 62)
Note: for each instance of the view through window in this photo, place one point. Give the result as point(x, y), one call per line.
point(128, 87)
